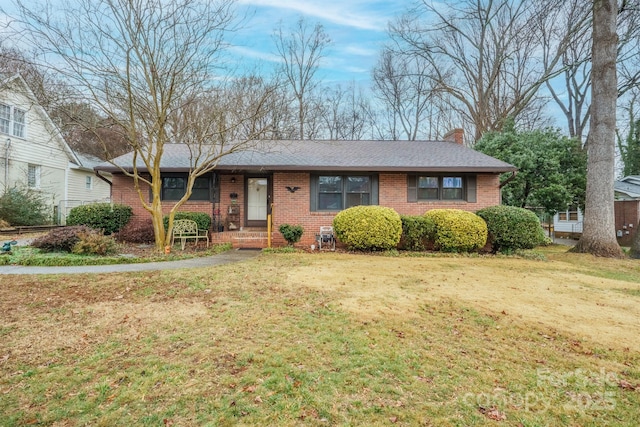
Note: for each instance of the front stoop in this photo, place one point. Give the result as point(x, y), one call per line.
point(242, 239)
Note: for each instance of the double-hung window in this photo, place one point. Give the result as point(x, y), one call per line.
point(437, 187)
point(33, 176)
point(12, 120)
point(5, 118)
point(174, 186)
point(334, 192)
point(18, 122)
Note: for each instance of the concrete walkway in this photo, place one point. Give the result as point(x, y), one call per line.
point(223, 258)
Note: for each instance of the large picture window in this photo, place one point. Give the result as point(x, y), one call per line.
point(434, 187)
point(338, 192)
point(175, 185)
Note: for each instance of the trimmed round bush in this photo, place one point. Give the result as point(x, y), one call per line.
point(417, 231)
point(107, 217)
point(202, 219)
point(458, 230)
point(368, 227)
point(291, 233)
point(512, 228)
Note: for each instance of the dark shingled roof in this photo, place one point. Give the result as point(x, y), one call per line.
point(313, 155)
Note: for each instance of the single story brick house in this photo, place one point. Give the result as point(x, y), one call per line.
point(308, 182)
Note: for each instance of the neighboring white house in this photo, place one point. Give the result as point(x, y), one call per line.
point(626, 191)
point(34, 154)
point(568, 222)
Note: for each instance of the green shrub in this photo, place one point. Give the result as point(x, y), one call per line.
point(61, 239)
point(136, 232)
point(368, 227)
point(512, 228)
point(291, 233)
point(458, 230)
point(202, 219)
point(23, 206)
point(417, 231)
point(95, 243)
point(107, 217)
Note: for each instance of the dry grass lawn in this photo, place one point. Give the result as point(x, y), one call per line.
point(327, 339)
point(568, 294)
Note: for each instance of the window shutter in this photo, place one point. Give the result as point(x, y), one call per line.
point(471, 189)
point(215, 188)
point(412, 188)
point(313, 186)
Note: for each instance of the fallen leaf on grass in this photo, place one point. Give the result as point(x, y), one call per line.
point(492, 413)
point(626, 385)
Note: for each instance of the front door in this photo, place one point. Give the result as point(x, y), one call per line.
point(258, 199)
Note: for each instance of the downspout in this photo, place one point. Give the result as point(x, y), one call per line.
point(104, 179)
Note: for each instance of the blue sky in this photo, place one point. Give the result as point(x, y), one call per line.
point(357, 28)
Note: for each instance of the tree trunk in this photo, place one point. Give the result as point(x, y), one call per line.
point(599, 236)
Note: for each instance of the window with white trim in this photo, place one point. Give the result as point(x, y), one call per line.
point(88, 182)
point(33, 176)
point(18, 122)
point(5, 118)
point(12, 120)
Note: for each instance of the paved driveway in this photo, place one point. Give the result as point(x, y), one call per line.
point(223, 258)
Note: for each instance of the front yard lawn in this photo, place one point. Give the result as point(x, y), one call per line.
point(327, 339)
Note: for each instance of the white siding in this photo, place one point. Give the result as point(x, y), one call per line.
point(41, 146)
point(568, 226)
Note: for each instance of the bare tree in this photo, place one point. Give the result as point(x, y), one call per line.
point(148, 67)
point(599, 237)
point(344, 113)
point(573, 95)
point(484, 55)
point(301, 51)
point(406, 86)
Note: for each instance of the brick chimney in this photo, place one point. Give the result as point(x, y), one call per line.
point(455, 135)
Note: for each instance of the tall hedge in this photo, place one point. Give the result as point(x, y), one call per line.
point(511, 228)
point(458, 230)
point(109, 218)
point(368, 227)
point(202, 219)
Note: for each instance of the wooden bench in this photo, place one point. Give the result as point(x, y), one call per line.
point(184, 229)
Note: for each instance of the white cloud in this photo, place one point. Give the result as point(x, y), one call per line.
point(255, 54)
point(353, 14)
point(360, 50)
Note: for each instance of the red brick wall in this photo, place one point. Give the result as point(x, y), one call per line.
point(294, 208)
point(122, 192)
point(627, 212)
